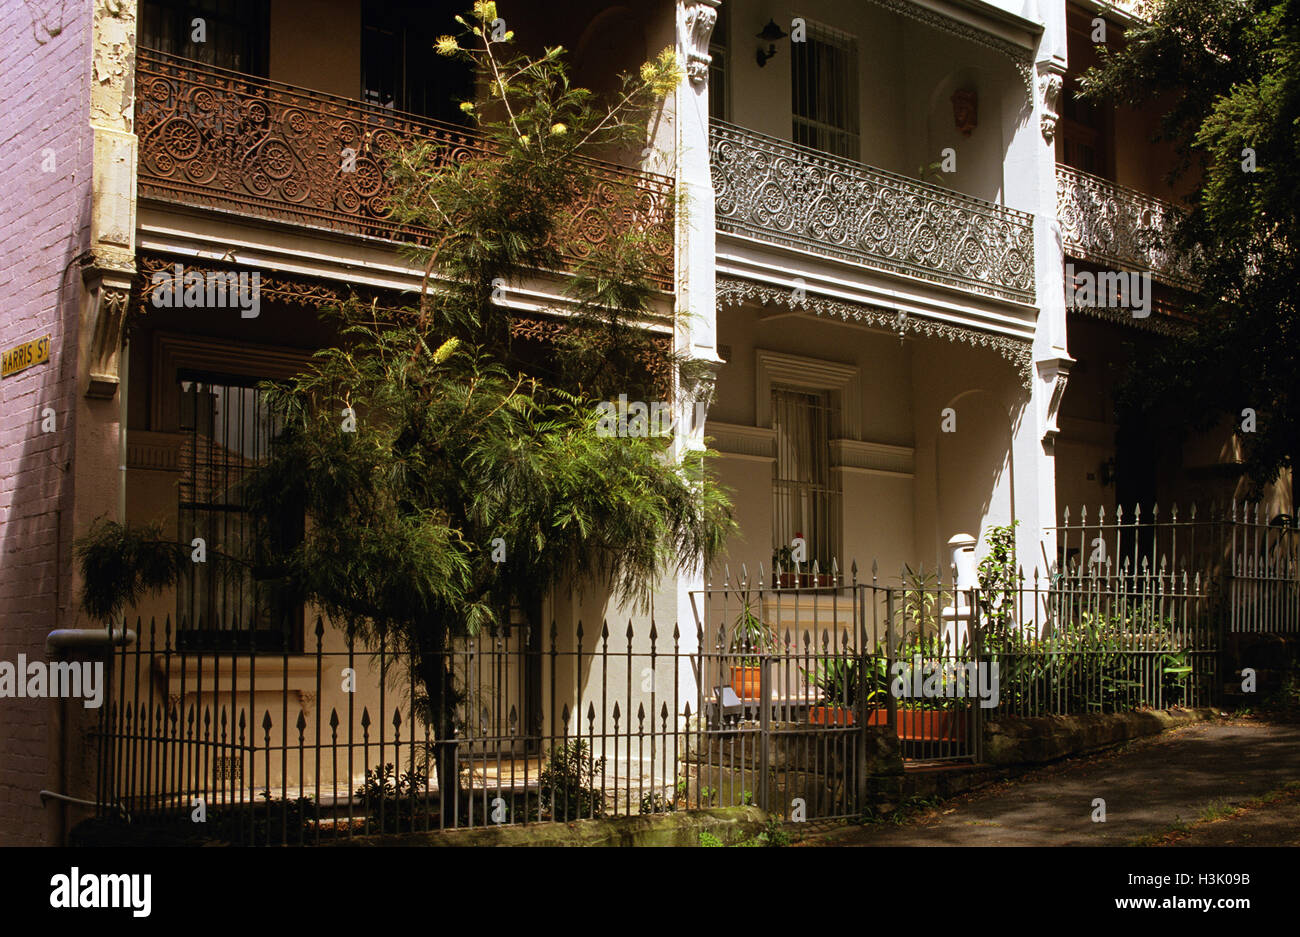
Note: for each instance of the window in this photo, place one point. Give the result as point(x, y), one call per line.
point(719, 91)
point(235, 31)
point(1085, 132)
point(224, 604)
point(805, 500)
point(824, 95)
point(399, 68)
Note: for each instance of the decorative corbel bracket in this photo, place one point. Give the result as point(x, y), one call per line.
point(1054, 372)
point(108, 275)
point(696, 28)
point(699, 382)
point(1051, 79)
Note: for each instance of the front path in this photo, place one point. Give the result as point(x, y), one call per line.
point(1149, 788)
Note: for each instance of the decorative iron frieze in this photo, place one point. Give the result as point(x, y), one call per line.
point(217, 139)
point(796, 196)
point(1017, 351)
point(312, 293)
point(1160, 324)
point(1021, 57)
point(1115, 226)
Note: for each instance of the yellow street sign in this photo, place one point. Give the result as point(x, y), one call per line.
point(23, 356)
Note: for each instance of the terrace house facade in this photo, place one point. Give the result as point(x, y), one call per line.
point(871, 208)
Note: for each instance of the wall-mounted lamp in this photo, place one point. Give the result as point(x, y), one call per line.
point(1107, 472)
point(771, 34)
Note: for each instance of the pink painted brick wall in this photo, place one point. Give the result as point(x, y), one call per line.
point(45, 48)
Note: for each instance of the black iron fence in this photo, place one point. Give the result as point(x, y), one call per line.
point(795, 699)
point(1245, 553)
point(796, 691)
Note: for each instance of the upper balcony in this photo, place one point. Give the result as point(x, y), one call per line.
point(1115, 226)
point(224, 141)
point(782, 193)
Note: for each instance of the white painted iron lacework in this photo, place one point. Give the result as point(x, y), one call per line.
point(1114, 225)
point(803, 198)
point(1017, 351)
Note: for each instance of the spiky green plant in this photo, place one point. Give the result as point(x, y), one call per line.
point(459, 439)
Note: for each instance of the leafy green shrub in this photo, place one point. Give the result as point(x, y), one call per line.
point(838, 679)
point(1099, 663)
point(389, 799)
point(655, 802)
point(919, 602)
point(567, 784)
point(997, 578)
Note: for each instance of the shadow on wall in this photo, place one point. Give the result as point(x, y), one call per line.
point(965, 111)
point(37, 530)
point(974, 465)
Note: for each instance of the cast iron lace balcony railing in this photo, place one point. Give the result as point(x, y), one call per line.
point(799, 197)
point(1115, 226)
point(218, 139)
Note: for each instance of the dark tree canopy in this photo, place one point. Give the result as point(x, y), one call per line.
point(449, 471)
point(1230, 73)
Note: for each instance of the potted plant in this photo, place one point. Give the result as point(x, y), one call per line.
point(750, 638)
point(941, 718)
point(818, 579)
point(837, 679)
point(783, 574)
point(787, 574)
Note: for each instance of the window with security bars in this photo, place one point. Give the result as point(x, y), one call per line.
point(228, 601)
point(398, 68)
point(824, 91)
point(719, 91)
point(806, 501)
point(234, 32)
point(1085, 132)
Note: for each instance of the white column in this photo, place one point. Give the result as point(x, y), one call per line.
point(1035, 182)
point(696, 333)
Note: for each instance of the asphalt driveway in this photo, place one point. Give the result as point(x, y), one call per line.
point(1149, 788)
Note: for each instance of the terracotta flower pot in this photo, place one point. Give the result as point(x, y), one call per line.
point(878, 717)
point(801, 581)
point(830, 716)
point(923, 725)
point(745, 681)
point(931, 725)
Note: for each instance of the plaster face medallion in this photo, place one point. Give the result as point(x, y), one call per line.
point(965, 110)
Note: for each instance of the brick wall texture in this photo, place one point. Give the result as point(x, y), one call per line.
point(45, 165)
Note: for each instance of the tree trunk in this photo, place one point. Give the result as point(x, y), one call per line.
point(433, 670)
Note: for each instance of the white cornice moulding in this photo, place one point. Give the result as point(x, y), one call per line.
point(751, 443)
point(774, 367)
point(873, 458)
point(748, 258)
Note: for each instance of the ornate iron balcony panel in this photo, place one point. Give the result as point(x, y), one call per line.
point(787, 194)
point(217, 139)
point(1116, 226)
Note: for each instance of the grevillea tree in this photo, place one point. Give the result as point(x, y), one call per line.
point(449, 470)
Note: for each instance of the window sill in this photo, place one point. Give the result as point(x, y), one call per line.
point(223, 677)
